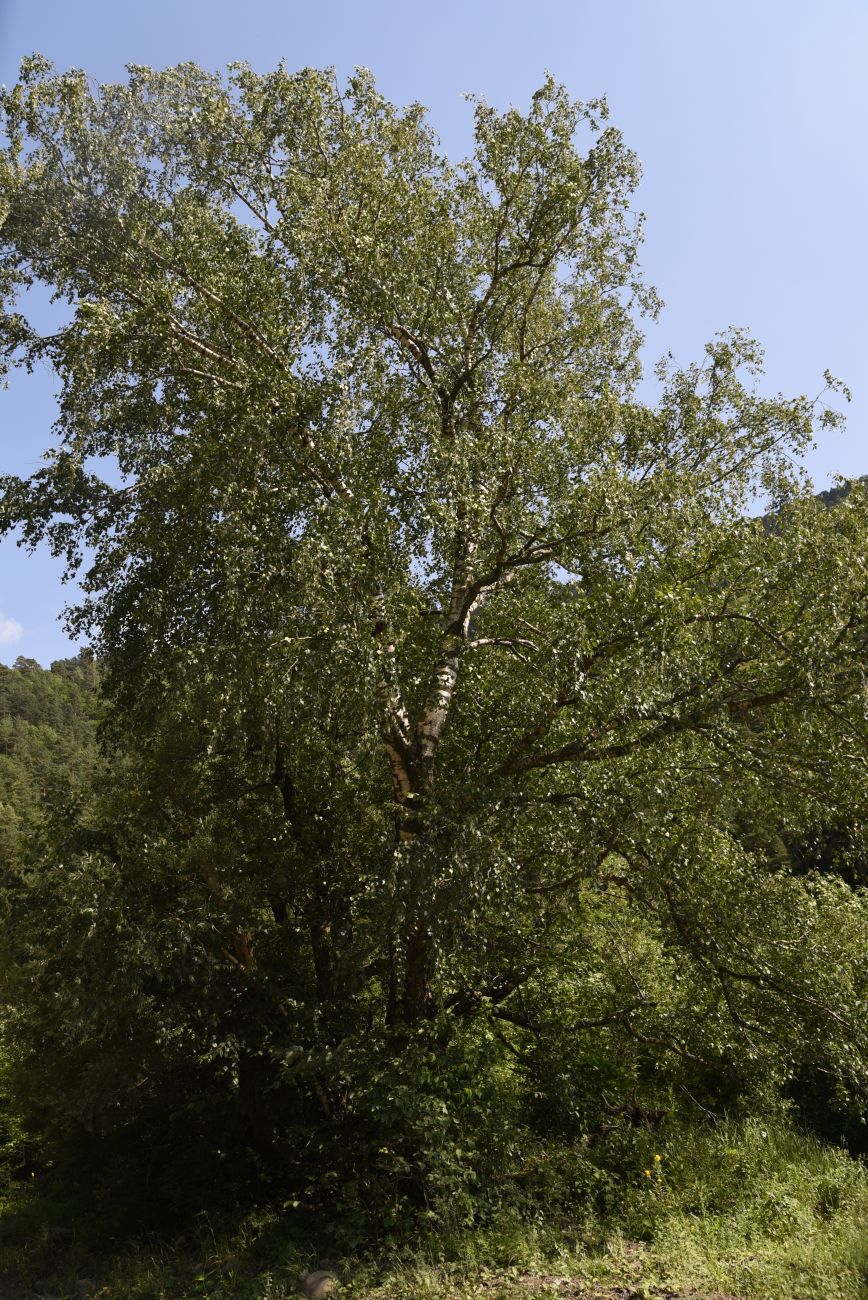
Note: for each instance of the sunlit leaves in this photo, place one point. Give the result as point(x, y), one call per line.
point(428, 628)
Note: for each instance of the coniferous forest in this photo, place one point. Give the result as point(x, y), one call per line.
point(445, 874)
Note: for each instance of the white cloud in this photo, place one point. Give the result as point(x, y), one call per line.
point(9, 630)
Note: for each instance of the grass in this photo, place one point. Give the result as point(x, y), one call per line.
point(760, 1213)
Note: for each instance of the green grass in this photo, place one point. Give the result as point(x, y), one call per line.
point(760, 1213)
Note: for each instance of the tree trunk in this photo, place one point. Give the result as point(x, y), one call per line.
point(320, 942)
point(417, 999)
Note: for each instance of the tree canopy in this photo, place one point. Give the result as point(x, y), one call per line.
point(455, 683)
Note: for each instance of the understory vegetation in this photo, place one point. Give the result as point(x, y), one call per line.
point(449, 860)
point(747, 1209)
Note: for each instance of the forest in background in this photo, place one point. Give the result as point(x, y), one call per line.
point(48, 750)
point(451, 861)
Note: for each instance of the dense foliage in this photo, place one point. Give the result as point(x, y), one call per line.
point(47, 749)
point(460, 715)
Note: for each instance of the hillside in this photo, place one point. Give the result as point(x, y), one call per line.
point(48, 720)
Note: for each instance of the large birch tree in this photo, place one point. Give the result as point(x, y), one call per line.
point(448, 652)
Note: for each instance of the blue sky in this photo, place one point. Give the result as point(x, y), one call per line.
point(750, 118)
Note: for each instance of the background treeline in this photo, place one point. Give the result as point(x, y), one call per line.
point(48, 750)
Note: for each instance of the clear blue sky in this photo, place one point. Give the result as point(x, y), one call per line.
point(750, 117)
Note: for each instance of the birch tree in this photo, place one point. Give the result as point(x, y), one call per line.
point(437, 635)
